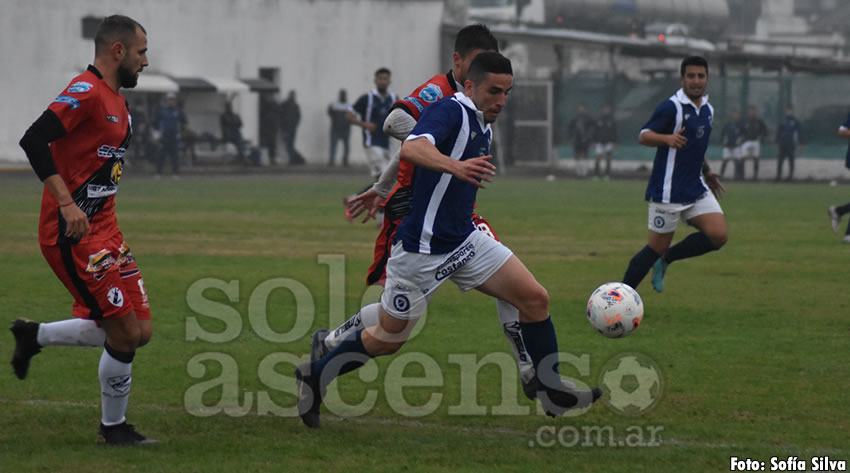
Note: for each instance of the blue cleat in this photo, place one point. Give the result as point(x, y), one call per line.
point(658, 270)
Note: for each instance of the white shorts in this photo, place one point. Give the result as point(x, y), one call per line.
point(731, 153)
point(377, 158)
point(604, 148)
point(664, 218)
point(751, 149)
point(412, 278)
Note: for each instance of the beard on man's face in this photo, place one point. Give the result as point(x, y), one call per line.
point(127, 77)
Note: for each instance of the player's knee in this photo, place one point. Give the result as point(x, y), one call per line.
point(536, 303)
point(718, 240)
point(145, 334)
point(124, 334)
point(387, 347)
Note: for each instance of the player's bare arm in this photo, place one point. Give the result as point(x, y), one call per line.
point(652, 139)
point(422, 152)
point(354, 120)
point(712, 180)
point(76, 220)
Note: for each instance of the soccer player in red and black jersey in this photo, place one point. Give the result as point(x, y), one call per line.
point(393, 193)
point(76, 148)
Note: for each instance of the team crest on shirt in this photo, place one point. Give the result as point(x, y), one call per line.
point(431, 93)
point(80, 87)
point(117, 171)
point(99, 263)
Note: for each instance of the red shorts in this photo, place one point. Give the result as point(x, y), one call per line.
point(384, 243)
point(102, 277)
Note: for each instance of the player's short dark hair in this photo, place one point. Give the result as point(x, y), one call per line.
point(473, 37)
point(488, 62)
point(116, 28)
point(693, 61)
point(383, 70)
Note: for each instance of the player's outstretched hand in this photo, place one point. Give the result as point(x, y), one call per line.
point(677, 140)
point(475, 170)
point(712, 180)
point(77, 223)
point(368, 202)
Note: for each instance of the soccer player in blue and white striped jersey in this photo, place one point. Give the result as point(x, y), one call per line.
point(681, 185)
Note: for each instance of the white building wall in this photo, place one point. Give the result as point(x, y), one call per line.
point(319, 46)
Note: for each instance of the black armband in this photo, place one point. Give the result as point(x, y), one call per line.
point(36, 143)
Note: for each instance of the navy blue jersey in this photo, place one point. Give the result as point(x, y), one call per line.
point(731, 134)
point(788, 132)
point(677, 173)
point(440, 216)
point(373, 108)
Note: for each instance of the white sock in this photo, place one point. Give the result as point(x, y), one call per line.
point(71, 333)
point(115, 381)
point(367, 317)
point(509, 318)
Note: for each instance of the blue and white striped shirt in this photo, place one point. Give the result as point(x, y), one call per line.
point(372, 107)
point(440, 216)
point(677, 173)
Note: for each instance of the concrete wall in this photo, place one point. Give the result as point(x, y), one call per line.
point(319, 47)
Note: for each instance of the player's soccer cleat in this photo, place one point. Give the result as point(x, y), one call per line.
point(556, 402)
point(309, 396)
point(846, 239)
point(318, 349)
point(530, 388)
point(26, 345)
point(658, 270)
point(122, 435)
point(834, 218)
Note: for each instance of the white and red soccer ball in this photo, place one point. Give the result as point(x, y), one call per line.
point(615, 309)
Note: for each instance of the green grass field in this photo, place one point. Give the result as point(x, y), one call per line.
point(751, 341)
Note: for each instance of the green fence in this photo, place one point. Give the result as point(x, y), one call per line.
point(819, 103)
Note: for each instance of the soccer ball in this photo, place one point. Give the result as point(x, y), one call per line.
point(614, 309)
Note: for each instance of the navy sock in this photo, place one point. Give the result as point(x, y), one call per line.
point(694, 244)
point(640, 264)
point(541, 341)
point(843, 209)
point(347, 357)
